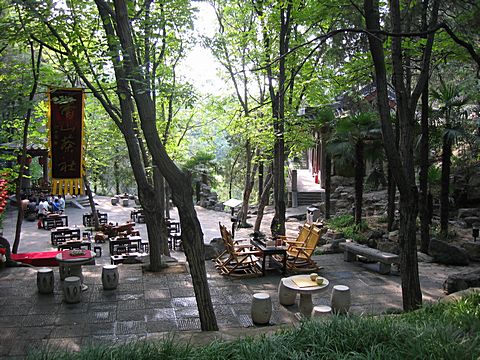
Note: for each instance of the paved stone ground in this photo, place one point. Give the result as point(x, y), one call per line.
point(151, 306)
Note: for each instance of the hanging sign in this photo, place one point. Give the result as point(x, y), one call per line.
point(66, 140)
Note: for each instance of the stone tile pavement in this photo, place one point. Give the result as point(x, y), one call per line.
point(152, 306)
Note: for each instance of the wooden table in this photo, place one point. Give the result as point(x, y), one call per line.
point(306, 304)
point(62, 234)
point(74, 244)
point(73, 264)
point(130, 240)
point(269, 251)
point(54, 221)
point(88, 219)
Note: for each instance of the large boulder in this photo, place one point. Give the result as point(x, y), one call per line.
point(445, 253)
point(214, 248)
point(472, 249)
point(461, 281)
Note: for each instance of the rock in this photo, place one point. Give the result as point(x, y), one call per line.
point(214, 248)
point(393, 235)
point(459, 295)
point(388, 246)
point(472, 249)
point(444, 253)
point(470, 220)
point(462, 281)
point(424, 257)
point(467, 212)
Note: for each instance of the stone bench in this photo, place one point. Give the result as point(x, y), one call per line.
point(385, 260)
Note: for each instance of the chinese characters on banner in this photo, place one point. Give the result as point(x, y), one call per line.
point(66, 140)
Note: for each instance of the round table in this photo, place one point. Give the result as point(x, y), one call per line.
point(305, 290)
point(74, 263)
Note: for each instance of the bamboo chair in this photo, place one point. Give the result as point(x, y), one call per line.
point(300, 239)
point(299, 255)
point(240, 261)
point(239, 244)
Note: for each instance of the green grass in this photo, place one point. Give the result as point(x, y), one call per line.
point(440, 331)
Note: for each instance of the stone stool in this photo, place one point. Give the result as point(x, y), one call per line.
point(110, 277)
point(125, 202)
point(261, 308)
point(340, 300)
point(320, 311)
point(45, 281)
point(64, 272)
point(98, 251)
point(72, 290)
point(114, 200)
point(286, 296)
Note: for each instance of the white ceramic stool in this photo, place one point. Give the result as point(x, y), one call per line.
point(321, 310)
point(110, 277)
point(340, 300)
point(72, 290)
point(45, 281)
point(261, 308)
point(286, 296)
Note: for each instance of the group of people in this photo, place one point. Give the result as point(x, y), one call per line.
point(45, 206)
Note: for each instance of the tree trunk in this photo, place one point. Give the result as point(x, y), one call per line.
point(159, 189)
point(116, 177)
point(391, 193)
point(249, 183)
point(96, 223)
point(263, 202)
point(445, 183)
point(411, 292)
point(359, 170)
point(35, 72)
point(328, 183)
point(260, 181)
point(180, 183)
point(401, 162)
point(423, 175)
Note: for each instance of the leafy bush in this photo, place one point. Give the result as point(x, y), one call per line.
point(346, 225)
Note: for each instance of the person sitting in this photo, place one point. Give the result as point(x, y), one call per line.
point(56, 205)
point(42, 211)
point(61, 204)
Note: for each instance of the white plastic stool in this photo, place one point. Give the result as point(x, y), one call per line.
point(72, 290)
point(261, 308)
point(340, 300)
point(286, 296)
point(45, 281)
point(110, 277)
point(321, 310)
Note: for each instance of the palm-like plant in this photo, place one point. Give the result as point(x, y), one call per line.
point(355, 137)
point(450, 101)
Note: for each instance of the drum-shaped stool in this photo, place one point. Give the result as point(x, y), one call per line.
point(321, 310)
point(286, 296)
point(340, 300)
point(45, 281)
point(72, 290)
point(261, 308)
point(110, 277)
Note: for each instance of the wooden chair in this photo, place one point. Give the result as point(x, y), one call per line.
point(299, 255)
point(300, 239)
point(239, 260)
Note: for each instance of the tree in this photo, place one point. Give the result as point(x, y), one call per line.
point(353, 134)
point(450, 99)
point(401, 161)
point(135, 99)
